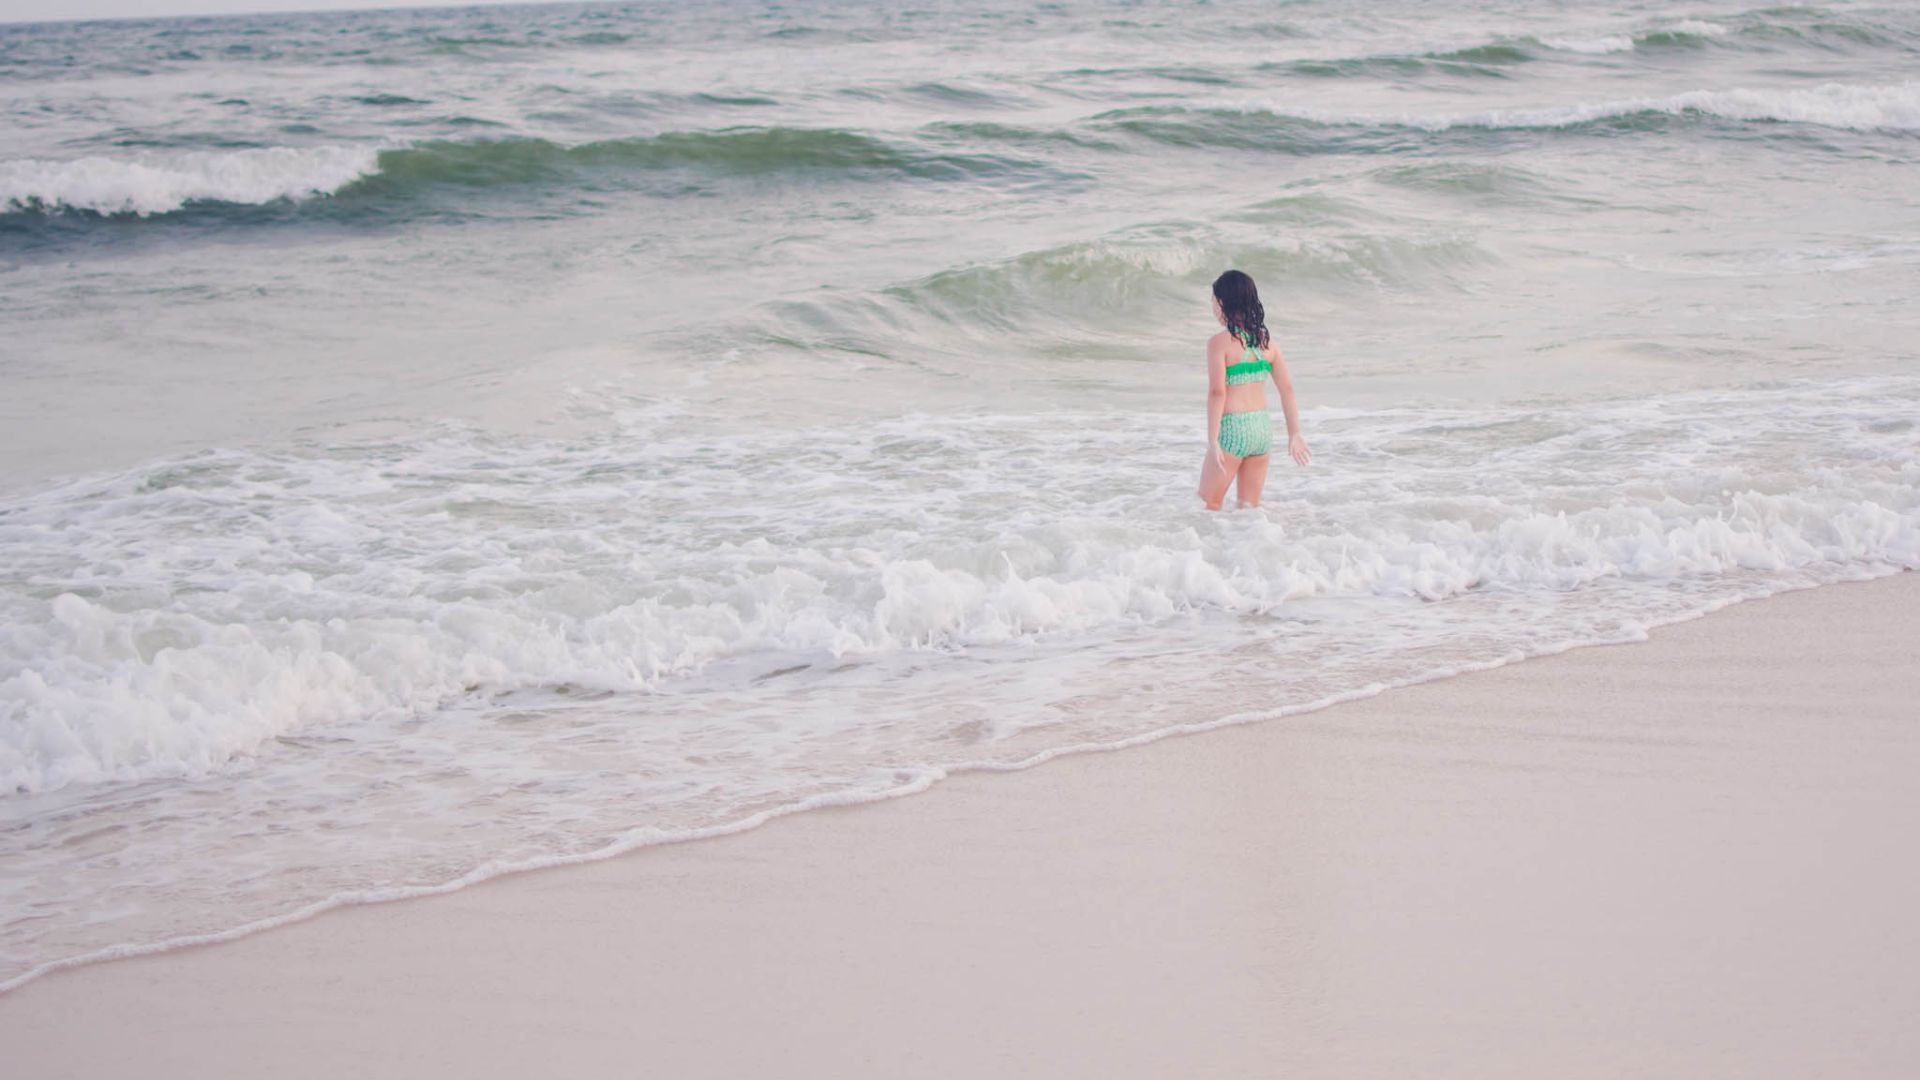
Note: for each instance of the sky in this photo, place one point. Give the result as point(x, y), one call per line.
point(42, 10)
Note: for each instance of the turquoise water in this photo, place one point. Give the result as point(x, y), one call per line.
point(562, 428)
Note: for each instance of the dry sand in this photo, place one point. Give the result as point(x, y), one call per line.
point(1696, 857)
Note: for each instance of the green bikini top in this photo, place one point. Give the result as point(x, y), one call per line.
point(1246, 370)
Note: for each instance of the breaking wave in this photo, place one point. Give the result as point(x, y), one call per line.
point(158, 183)
point(1266, 125)
point(165, 621)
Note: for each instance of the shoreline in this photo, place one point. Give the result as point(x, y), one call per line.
point(927, 779)
point(754, 868)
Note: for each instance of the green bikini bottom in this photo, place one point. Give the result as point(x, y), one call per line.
point(1246, 434)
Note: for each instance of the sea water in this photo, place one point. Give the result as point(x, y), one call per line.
point(437, 443)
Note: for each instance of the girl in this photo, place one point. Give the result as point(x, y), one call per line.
point(1238, 361)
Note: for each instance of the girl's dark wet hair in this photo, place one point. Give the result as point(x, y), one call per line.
point(1240, 303)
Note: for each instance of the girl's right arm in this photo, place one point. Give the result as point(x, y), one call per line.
point(1296, 440)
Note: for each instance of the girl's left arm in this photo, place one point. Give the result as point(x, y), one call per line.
point(1216, 398)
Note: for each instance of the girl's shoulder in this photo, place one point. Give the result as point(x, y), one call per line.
point(1227, 342)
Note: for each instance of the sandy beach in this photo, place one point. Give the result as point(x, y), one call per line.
point(1689, 857)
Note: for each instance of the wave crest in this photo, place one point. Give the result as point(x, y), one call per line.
point(1291, 129)
point(746, 151)
point(159, 184)
point(1093, 281)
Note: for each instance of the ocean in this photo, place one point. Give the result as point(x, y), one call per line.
point(437, 443)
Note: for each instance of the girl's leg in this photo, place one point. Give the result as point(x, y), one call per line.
point(1252, 479)
point(1215, 479)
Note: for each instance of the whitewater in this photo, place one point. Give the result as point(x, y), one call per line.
point(443, 443)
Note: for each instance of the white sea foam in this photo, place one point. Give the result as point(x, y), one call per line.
point(1610, 43)
point(162, 623)
point(156, 183)
point(1831, 104)
point(1696, 26)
